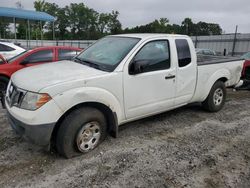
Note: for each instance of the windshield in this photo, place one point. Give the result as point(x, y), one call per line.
point(10, 60)
point(107, 53)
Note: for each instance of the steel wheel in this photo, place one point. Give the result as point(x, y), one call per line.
point(81, 131)
point(218, 96)
point(88, 137)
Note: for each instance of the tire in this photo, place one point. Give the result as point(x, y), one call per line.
point(216, 98)
point(3, 83)
point(81, 131)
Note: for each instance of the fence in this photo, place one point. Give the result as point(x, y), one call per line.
point(230, 44)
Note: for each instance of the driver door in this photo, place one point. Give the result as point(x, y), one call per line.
point(150, 87)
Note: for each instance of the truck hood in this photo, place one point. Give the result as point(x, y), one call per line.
point(38, 77)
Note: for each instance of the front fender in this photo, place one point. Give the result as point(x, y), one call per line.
point(73, 97)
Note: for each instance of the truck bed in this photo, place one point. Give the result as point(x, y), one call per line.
point(231, 67)
point(208, 59)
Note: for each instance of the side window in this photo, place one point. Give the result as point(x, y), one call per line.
point(183, 52)
point(41, 56)
point(4, 48)
point(154, 56)
point(66, 54)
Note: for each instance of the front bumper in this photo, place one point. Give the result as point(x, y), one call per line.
point(36, 126)
point(37, 134)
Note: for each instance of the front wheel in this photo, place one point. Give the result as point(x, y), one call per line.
point(216, 98)
point(81, 131)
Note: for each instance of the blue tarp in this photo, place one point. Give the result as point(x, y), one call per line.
point(25, 14)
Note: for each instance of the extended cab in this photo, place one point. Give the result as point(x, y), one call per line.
point(121, 78)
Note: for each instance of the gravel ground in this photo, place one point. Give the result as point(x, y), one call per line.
point(186, 147)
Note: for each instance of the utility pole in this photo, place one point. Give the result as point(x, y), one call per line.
point(235, 39)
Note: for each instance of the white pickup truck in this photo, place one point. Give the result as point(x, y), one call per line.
point(121, 78)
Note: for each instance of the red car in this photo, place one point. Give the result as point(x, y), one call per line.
point(246, 70)
point(33, 57)
point(246, 67)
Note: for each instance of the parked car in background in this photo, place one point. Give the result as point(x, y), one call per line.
point(246, 66)
point(200, 51)
point(33, 57)
point(9, 50)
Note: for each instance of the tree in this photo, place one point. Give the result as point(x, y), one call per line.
point(62, 23)
point(102, 23)
point(188, 27)
point(39, 5)
point(50, 8)
point(214, 29)
point(82, 20)
point(114, 24)
point(4, 28)
point(204, 28)
point(174, 29)
point(164, 22)
point(77, 21)
point(21, 30)
point(157, 26)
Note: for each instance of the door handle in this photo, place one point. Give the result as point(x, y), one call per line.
point(169, 77)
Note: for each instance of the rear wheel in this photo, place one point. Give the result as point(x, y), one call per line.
point(216, 98)
point(81, 131)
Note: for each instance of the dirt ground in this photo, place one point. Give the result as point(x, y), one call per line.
point(186, 147)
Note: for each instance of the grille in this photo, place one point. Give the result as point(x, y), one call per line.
point(14, 95)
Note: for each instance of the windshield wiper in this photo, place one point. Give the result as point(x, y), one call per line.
point(78, 60)
point(89, 63)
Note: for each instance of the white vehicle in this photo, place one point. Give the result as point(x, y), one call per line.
point(9, 50)
point(119, 79)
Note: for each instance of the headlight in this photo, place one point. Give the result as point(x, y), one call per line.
point(33, 101)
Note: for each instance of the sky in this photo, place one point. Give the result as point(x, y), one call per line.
point(227, 13)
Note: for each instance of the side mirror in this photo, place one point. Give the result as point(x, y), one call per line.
point(3, 60)
point(138, 66)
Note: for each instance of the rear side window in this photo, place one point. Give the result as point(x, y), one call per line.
point(40, 57)
point(4, 48)
point(183, 52)
point(66, 54)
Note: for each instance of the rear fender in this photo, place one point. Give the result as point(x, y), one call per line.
point(222, 74)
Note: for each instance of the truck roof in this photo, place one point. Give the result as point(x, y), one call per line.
point(149, 35)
